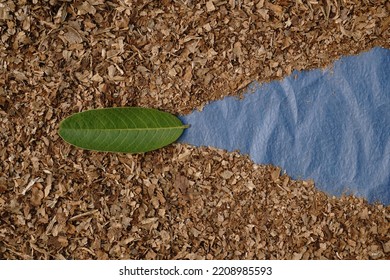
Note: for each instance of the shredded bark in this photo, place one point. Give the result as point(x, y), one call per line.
point(181, 202)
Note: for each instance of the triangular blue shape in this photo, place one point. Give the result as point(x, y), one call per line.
point(331, 125)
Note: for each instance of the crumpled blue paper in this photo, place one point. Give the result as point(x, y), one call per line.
point(331, 125)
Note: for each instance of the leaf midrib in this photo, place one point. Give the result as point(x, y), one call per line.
point(129, 129)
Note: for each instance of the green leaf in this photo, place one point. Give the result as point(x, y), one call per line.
point(124, 129)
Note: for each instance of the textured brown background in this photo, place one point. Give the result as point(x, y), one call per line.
point(180, 202)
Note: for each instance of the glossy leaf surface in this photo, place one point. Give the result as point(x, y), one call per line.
point(124, 129)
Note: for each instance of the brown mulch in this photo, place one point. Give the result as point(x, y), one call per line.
point(180, 202)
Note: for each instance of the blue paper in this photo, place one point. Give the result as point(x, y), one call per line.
point(331, 125)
